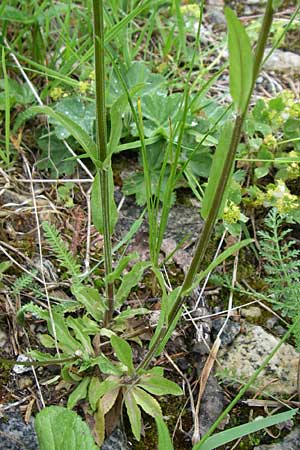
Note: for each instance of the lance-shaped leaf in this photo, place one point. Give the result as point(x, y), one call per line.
point(79, 393)
point(158, 385)
point(242, 430)
point(130, 280)
point(98, 389)
point(146, 402)
point(134, 414)
point(219, 159)
point(240, 62)
point(123, 352)
point(164, 439)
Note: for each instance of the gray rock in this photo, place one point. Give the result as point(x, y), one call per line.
point(250, 349)
point(289, 442)
point(15, 434)
point(283, 61)
point(230, 332)
point(116, 441)
point(212, 404)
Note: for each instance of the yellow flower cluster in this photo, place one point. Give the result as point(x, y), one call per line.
point(232, 213)
point(270, 141)
point(280, 197)
point(56, 93)
point(293, 168)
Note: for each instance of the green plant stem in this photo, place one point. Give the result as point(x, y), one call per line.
point(11, 363)
point(101, 139)
point(220, 189)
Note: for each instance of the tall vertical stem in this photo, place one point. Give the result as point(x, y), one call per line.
point(101, 139)
point(219, 192)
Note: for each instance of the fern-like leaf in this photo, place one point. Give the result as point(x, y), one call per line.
point(61, 251)
point(282, 268)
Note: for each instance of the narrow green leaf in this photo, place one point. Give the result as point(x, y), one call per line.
point(224, 255)
point(99, 423)
point(159, 385)
point(130, 280)
point(146, 402)
point(58, 428)
point(96, 203)
point(219, 160)
point(99, 388)
point(123, 352)
point(79, 393)
point(122, 264)
point(81, 334)
point(134, 414)
point(242, 430)
point(164, 438)
point(66, 341)
point(240, 61)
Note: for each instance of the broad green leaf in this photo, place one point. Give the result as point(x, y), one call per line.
point(122, 264)
point(58, 428)
point(134, 414)
point(80, 135)
point(242, 430)
point(130, 280)
point(55, 157)
point(82, 113)
point(96, 202)
point(240, 62)
point(158, 385)
point(219, 160)
point(81, 334)
point(91, 299)
point(146, 402)
point(164, 438)
point(123, 352)
point(79, 393)
point(99, 388)
point(99, 427)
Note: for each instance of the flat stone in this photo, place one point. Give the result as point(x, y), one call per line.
point(289, 442)
point(15, 434)
point(247, 353)
point(251, 312)
point(282, 61)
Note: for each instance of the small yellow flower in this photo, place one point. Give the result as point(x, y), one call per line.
point(270, 141)
point(83, 86)
point(231, 213)
point(56, 93)
point(280, 197)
